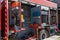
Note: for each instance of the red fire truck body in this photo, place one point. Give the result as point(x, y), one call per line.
point(28, 18)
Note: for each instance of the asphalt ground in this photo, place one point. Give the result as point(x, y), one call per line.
point(54, 37)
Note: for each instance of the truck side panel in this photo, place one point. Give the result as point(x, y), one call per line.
point(0, 20)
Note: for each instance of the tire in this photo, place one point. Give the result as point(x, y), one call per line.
point(42, 34)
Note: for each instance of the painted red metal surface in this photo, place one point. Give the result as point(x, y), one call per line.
point(20, 16)
point(6, 20)
point(0, 15)
point(44, 2)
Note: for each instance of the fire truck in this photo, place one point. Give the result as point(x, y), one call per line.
point(27, 19)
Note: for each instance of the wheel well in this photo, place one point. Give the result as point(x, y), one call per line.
point(44, 29)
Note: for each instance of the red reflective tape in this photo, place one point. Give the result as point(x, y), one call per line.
point(5, 21)
point(5, 35)
point(6, 31)
point(5, 26)
point(4, 2)
point(5, 7)
point(5, 12)
point(5, 17)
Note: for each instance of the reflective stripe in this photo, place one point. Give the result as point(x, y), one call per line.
point(6, 20)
